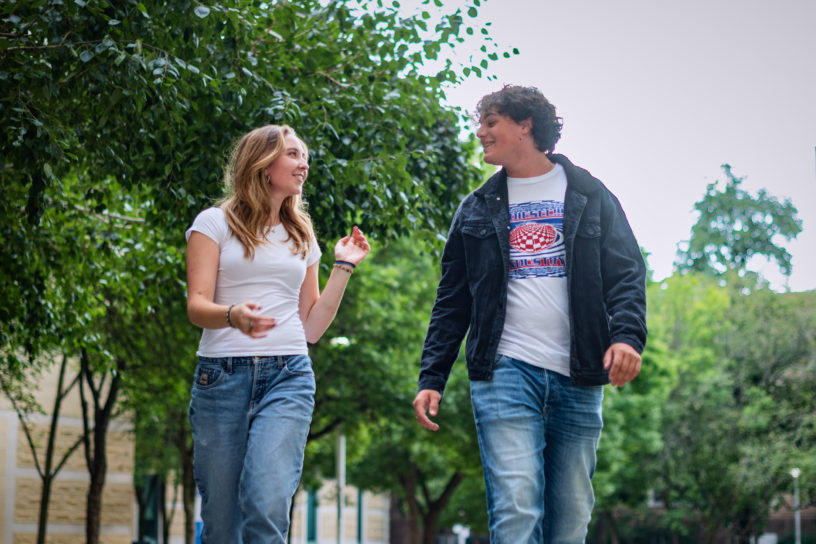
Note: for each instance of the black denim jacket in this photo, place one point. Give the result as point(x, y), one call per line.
point(606, 279)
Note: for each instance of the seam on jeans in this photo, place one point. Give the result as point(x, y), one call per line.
point(252, 392)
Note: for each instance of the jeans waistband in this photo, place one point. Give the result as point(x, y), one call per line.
point(246, 360)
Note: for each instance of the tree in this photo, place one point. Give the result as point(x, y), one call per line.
point(120, 114)
point(164, 448)
point(367, 387)
point(739, 413)
point(735, 226)
point(628, 452)
point(51, 462)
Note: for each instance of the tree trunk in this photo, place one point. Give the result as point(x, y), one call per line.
point(141, 505)
point(47, 477)
point(613, 528)
point(435, 507)
point(426, 534)
point(414, 514)
point(45, 498)
point(48, 471)
point(98, 471)
point(96, 457)
point(188, 485)
point(93, 508)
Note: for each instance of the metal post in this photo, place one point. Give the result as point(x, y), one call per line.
point(797, 516)
point(341, 483)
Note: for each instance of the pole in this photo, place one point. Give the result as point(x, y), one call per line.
point(797, 515)
point(341, 483)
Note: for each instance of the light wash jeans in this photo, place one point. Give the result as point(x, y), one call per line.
point(538, 435)
point(250, 418)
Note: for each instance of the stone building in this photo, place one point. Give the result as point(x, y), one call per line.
point(20, 483)
point(315, 521)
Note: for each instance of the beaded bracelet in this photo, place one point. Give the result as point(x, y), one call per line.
point(344, 267)
point(229, 321)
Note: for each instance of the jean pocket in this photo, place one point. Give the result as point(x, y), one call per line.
point(299, 366)
point(208, 376)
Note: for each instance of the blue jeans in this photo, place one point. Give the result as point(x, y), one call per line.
point(250, 418)
point(538, 435)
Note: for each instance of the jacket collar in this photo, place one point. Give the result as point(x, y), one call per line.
point(578, 179)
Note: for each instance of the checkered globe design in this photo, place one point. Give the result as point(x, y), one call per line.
point(532, 237)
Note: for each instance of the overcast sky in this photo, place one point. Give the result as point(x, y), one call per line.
point(657, 94)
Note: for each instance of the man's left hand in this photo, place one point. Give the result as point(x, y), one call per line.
point(622, 362)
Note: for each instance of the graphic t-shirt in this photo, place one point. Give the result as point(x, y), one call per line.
point(536, 327)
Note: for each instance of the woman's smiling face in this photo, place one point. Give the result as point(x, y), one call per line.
point(288, 172)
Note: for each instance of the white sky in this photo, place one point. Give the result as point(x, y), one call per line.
point(657, 94)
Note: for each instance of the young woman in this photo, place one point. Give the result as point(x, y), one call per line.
point(253, 287)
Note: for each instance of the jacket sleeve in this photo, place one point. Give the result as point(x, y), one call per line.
point(450, 317)
point(624, 277)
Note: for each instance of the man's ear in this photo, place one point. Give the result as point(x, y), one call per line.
point(527, 125)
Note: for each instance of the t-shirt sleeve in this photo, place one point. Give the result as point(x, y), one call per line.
point(212, 224)
point(314, 253)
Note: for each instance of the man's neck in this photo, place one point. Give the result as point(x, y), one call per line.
point(535, 164)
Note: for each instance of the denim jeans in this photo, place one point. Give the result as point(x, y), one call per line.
point(250, 418)
point(538, 435)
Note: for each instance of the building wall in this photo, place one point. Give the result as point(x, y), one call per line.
point(20, 483)
point(365, 516)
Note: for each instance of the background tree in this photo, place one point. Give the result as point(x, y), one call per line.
point(628, 452)
point(735, 420)
point(735, 226)
point(108, 102)
point(368, 386)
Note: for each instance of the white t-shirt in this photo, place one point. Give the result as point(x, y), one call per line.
point(536, 326)
point(272, 279)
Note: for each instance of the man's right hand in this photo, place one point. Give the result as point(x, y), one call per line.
point(427, 400)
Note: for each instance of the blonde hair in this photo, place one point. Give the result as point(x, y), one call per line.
point(247, 204)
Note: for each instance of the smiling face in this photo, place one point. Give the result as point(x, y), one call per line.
point(501, 138)
point(287, 173)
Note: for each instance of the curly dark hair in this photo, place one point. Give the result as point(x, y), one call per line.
point(520, 103)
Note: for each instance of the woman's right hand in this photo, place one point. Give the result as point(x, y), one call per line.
point(246, 317)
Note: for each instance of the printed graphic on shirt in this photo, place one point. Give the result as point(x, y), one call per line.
point(537, 247)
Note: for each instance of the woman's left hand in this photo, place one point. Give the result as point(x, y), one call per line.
point(353, 248)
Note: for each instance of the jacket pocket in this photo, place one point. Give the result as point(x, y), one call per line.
point(587, 252)
point(477, 230)
point(481, 247)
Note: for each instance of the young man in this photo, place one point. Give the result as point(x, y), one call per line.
point(543, 273)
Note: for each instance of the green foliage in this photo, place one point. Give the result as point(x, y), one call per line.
point(739, 415)
point(153, 94)
point(117, 117)
point(368, 386)
point(735, 226)
point(631, 440)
